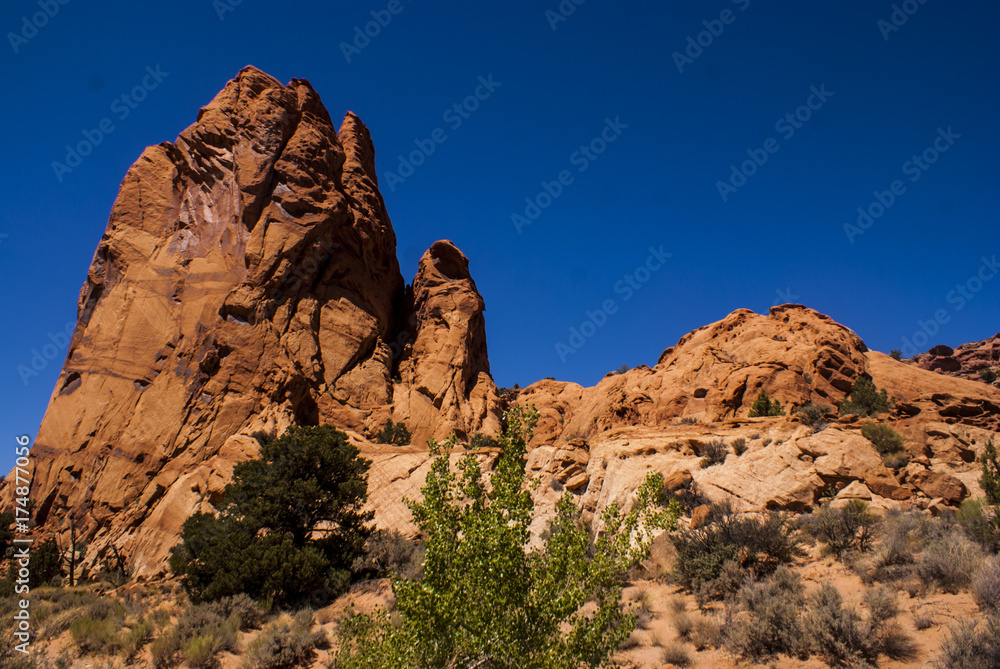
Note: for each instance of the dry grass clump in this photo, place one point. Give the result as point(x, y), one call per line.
point(286, 643)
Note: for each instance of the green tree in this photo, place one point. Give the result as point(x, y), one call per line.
point(290, 523)
point(990, 479)
point(393, 433)
point(763, 406)
point(6, 533)
point(485, 598)
point(866, 399)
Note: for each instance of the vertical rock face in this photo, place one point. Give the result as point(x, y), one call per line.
point(444, 370)
point(247, 280)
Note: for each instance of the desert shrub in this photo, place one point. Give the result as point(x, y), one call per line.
point(200, 652)
point(135, 638)
point(972, 644)
point(922, 621)
point(885, 439)
point(290, 523)
point(988, 376)
point(250, 614)
point(900, 536)
point(621, 370)
point(688, 420)
point(393, 433)
point(844, 529)
point(287, 643)
point(739, 446)
point(707, 633)
point(981, 523)
point(484, 594)
point(480, 440)
point(684, 624)
point(164, 649)
point(763, 406)
point(865, 399)
point(633, 640)
point(766, 619)
point(713, 454)
point(675, 654)
point(951, 561)
point(986, 585)
point(896, 354)
point(95, 635)
point(812, 413)
point(841, 637)
point(388, 552)
point(755, 545)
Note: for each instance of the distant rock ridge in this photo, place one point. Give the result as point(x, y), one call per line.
point(967, 361)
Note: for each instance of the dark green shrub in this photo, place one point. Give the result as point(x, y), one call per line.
point(766, 618)
point(290, 524)
point(739, 446)
point(865, 399)
point(813, 413)
point(886, 440)
point(6, 533)
point(988, 376)
point(763, 406)
point(990, 479)
point(754, 545)
point(393, 433)
point(45, 564)
point(981, 523)
point(844, 529)
point(896, 354)
point(480, 440)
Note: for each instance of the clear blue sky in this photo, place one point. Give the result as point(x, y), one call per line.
point(778, 237)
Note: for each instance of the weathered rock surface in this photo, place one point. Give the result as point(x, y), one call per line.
point(965, 361)
point(247, 280)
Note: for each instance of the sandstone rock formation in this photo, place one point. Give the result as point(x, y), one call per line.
point(965, 361)
point(247, 281)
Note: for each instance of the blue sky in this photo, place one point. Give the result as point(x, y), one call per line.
point(633, 141)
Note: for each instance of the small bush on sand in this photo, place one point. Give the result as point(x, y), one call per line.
point(972, 644)
point(287, 643)
point(754, 545)
point(841, 637)
point(766, 619)
point(845, 529)
point(714, 453)
point(986, 585)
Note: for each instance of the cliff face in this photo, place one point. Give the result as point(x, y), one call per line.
point(247, 280)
